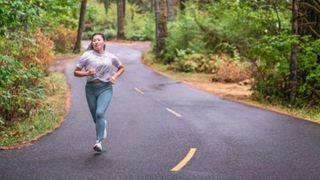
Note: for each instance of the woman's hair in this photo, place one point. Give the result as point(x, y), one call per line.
point(90, 47)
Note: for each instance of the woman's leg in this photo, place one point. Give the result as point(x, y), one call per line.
point(92, 102)
point(103, 102)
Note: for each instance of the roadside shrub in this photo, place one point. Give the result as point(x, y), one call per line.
point(272, 70)
point(64, 39)
point(221, 66)
point(190, 61)
point(20, 93)
point(232, 71)
point(12, 49)
point(37, 51)
point(271, 67)
point(308, 92)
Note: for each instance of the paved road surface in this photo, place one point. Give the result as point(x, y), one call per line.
point(153, 122)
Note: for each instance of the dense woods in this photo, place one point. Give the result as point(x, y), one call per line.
point(274, 43)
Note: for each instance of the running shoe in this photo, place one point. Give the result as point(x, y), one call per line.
point(98, 147)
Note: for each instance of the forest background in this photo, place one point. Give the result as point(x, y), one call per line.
point(272, 43)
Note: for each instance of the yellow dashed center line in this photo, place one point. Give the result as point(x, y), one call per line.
point(185, 160)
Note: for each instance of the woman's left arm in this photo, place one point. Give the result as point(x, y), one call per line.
point(120, 70)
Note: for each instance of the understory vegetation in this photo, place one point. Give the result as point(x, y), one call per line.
point(139, 23)
point(31, 34)
point(235, 41)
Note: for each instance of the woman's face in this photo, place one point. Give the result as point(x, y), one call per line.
point(98, 43)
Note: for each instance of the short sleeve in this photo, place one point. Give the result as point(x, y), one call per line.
point(116, 61)
point(83, 60)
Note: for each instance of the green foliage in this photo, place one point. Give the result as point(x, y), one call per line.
point(142, 5)
point(149, 28)
point(308, 92)
point(272, 66)
point(222, 67)
point(182, 34)
point(20, 93)
point(92, 14)
point(237, 24)
point(19, 15)
point(42, 120)
point(22, 15)
point(64, 39)
point(61, 12)
point(221, 27)
point(272, 60)
point(108, 33)
point(190, 61)
point(12, 49)
point(26, 51)
point(98, 21)
point(137, 25)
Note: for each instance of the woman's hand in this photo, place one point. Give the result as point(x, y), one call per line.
point(79, 73)
point(112, 80)
point(91, 71)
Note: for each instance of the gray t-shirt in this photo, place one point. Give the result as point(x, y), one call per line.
point(102, 63)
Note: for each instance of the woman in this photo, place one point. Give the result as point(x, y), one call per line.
point(96, 64)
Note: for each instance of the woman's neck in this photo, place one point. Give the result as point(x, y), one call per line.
point(100, 51)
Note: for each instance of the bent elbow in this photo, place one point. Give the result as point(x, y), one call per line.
point(123, 68)
point(75, 74)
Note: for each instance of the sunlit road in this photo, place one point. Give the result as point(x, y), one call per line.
point(159, 128)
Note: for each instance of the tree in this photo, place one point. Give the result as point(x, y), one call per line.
point(309, 18)
point(121, 9)
point(143, 5)
point(172, 6)
point(182, 5)
point(161, 25)
point(106, 4)
point(294, 49)
point(80, 26)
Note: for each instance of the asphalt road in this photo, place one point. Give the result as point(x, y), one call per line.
point(153, 122)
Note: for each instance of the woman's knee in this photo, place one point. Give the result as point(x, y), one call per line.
point(100, 115)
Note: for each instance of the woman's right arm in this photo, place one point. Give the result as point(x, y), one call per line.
point(79, 73)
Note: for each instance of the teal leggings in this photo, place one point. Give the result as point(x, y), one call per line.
point(98, 97)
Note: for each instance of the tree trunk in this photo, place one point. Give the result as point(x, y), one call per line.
point(182, 5)
point(121, 9)
point(309, 23)
point(172, 8)
point(161, 25)
point(294, 50)
point(106, 4)
point(80, 26)
point(275, 8)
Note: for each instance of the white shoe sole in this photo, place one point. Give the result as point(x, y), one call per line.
point(97, 147)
